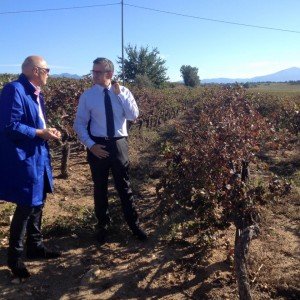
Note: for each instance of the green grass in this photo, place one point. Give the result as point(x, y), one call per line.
point(296, 179)
point(278, 89)
point(80, 217)
point(6, 210)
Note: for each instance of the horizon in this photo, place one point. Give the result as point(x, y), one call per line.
point(223, 40)
point(75, 74)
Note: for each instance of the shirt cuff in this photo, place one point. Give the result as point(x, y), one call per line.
point(90, 144)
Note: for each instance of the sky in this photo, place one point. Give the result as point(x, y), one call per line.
point(70, 39)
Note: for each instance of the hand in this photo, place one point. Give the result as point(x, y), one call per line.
point(117, 89)
point(98, 150)
point(48, 134)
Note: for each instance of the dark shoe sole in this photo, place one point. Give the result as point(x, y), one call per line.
point(140, 235)
point(101, 236)
point(141, 238)
point(46, 256)
point(18, 268)
point(43, 254)
point(20, 272)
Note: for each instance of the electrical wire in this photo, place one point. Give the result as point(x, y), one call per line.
point(212, 20)
point(151, 9)
point(56, 9)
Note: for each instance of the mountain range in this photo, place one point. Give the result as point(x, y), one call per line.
point(291, 74)
point(66, 75)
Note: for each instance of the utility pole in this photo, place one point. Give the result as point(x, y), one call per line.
point(122, 30)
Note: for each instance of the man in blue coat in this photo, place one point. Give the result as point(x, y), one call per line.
point(25, 167)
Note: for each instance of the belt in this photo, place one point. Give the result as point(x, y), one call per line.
point(99, 139)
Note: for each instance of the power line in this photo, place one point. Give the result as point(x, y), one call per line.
point(151, 9)
point(56, 9)
point(212, 20)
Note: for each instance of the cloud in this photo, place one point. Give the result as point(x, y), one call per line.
point(60, 67)
point(10, 65)
point(19, 65)
point(164, 56)
point(258, 64)
point(258, 68)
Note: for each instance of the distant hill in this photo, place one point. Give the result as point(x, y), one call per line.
point(66, 75)
point(291, 74)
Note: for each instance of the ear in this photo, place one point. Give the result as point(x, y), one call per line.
point(35, 71)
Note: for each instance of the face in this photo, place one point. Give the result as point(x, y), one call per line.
point(100, 76)
point(40, 73)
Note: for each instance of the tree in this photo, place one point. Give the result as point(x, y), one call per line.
point(145, 63)
point(190, 75)
point(143, 81)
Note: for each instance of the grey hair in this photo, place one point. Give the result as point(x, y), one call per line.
point(108, 64)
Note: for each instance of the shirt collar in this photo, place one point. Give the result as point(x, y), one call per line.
point(37, 89)
point(102, 87)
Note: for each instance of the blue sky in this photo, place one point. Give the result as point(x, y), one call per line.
point(71, 39)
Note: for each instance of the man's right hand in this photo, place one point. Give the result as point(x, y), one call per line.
point(116, 86)
point(48, 134)
point(98, 150)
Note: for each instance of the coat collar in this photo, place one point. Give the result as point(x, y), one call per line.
point(26, 83)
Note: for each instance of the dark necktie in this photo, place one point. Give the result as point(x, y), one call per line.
point(110, 125)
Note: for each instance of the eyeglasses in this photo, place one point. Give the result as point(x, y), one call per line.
point(44, 69)
point(94, 72)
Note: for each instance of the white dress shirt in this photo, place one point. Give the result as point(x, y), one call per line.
point(41, 115)
point(91, 107)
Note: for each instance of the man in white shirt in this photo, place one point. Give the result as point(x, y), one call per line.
point(100, 124)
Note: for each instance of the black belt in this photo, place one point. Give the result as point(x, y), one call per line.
point(100, 139)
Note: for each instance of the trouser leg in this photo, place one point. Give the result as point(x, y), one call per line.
point(100, 171)
point(34, 234)
point(17, 231)
point(120, 171)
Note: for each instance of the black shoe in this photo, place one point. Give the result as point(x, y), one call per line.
point(101, 235)
point(18, 268)
point(42, 253)
point(139, 234)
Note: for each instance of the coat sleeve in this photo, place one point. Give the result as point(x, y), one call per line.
point(14, 114)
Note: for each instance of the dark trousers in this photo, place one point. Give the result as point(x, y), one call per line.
point(119, 165)
point(25, 219)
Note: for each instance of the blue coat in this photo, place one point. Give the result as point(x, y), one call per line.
point(25, 167)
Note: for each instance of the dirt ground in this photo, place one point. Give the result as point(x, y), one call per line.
point(160, 268)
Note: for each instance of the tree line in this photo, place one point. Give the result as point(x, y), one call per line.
point(146, 68)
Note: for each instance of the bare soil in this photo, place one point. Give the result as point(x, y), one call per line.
point(162, 267)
